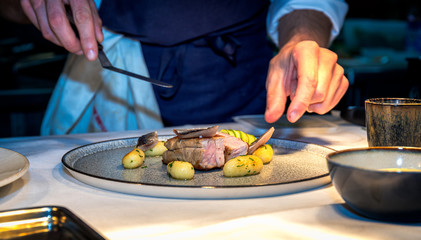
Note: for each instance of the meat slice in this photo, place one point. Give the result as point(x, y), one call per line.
point(176, 142)
point(196, 132)
point(234, 147)
point(202, 153)
point(262, 140)
point(147, 141)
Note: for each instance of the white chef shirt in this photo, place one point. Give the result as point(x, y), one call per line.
point(335, 10)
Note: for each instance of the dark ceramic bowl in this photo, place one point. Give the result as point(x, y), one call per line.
point(362, 179)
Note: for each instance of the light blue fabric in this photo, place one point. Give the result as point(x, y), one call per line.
point(88, 98)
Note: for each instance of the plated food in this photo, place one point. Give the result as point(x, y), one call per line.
point(133, 159)
point(180, 170)
point(245, 165)
point(295, 167)
point(238, 153)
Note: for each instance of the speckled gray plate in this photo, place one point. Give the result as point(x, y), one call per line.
point(296, 167)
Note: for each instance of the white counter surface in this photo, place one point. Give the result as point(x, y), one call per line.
point(314, 214)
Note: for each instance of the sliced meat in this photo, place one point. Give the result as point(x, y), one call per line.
point(147, 141)
point(176, 143)
point(261, 140)
point(202, 153)
point(234, 147)
point(196, 132)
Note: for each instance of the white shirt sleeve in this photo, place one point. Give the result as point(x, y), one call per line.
point(335, 10)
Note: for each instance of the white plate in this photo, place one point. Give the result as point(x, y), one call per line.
point(296, 167)
point(13, 165)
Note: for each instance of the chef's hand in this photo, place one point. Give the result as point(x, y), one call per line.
point(49, 16)
point(309, 75)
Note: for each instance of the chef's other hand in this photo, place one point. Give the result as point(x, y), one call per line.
point(49, 16)
point(309, 75)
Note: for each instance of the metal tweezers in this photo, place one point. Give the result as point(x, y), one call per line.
point(105, 62)
point(107, 65)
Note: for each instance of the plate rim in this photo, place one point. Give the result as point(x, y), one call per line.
point(242, 119)
point(189, 186)
point(22, 170)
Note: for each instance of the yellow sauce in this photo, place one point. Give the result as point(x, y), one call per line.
point(400, 170)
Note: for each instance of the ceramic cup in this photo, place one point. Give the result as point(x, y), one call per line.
point(393, 122)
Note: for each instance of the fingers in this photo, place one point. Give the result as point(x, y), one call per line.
point(306, 60)
point(310, 76)
point(84, 20)
point(337, 90)
point(326, 69)
point(60, 26)
point(332, 84)
point(29, 11)
point(49, 16)
point(343, 87)
point(97, 22)
point(36, 12)
point(280, 69)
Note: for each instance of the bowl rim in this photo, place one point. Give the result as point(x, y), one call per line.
point(364, 149)
point(394, 101)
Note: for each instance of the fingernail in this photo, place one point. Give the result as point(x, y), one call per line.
point(79, 53)
point(293, 116)
point(90, 54)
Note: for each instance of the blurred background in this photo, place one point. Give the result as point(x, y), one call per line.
point(29, 69)
point(379, 48)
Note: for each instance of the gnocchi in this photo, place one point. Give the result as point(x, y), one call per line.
point(244, 165)
point(133, 159)
point(180, 170)
point(157, 150)
point(264, 152)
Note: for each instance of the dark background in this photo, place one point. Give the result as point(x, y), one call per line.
point(382, 9)
point(30, 66)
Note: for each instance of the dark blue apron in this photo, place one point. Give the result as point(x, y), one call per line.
point(218, 69)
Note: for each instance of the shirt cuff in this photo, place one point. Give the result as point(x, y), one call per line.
point(335, 10)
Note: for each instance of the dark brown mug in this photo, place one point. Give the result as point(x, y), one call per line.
point(393, 122)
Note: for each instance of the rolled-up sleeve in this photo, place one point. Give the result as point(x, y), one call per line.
point(335, 10)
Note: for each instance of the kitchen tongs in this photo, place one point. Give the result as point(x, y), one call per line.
point(107, 65)
point(103, 59)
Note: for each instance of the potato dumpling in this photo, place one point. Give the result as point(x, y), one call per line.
point(157, 150)
point(133, 159)
point(264, 152)
point(244, 165)
point(180, 170)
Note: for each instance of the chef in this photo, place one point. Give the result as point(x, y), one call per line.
point(216, 54)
